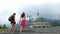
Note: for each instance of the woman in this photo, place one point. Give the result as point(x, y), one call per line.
point(12, 21)
point(22, 21)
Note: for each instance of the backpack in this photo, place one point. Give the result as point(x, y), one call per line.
point(9, 19)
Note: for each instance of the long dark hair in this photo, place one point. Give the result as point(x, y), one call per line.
point(22, 15)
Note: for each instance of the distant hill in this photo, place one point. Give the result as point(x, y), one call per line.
point(53, 23)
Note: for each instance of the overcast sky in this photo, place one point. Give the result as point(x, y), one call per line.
point(47, 8)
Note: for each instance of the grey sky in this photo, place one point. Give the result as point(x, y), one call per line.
point(47, 8)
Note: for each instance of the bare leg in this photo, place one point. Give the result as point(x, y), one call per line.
point(21, 28)
point(12, 26)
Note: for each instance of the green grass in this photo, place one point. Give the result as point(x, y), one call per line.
point(3, 27)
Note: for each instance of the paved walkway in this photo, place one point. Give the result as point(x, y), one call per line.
point(54, 30)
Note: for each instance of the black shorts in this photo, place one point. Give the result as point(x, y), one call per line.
point(13, 22)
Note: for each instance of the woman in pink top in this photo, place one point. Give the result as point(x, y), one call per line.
point(22, 21)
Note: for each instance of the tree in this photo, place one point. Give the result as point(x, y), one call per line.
point(0, 26)
point(4, 26)
point(38, 14)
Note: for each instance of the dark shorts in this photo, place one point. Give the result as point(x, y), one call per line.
point(13, 22)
